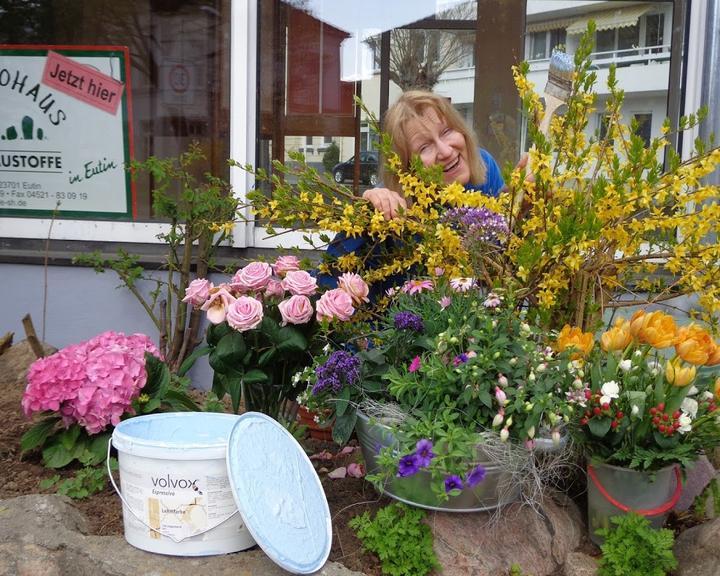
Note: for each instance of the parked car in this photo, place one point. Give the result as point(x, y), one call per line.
point(368, 169)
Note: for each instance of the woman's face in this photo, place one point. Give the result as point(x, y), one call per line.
point(435, 142)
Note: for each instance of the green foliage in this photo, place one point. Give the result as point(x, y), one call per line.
point(516, 570)
point(400, 539)
point(86, 481)
point(707, 503)
point(331, 156)
point(199, 211)
point(634, 548)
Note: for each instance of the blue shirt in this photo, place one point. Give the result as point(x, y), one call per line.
point(342, 245)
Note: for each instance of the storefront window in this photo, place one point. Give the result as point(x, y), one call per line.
point(179, 68)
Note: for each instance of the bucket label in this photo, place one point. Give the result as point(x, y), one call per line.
point(179, 505)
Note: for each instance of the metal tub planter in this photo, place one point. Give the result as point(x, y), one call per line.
point(499, 487)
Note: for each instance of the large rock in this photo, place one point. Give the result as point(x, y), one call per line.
point(482, 544)
point(579, 564)
point(45, 535)
point(697, 550)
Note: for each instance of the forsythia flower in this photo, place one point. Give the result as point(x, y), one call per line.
point(575, 338)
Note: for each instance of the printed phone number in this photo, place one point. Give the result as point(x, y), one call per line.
point(19, 194)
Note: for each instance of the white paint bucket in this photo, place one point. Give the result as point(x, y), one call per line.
point(177, 498)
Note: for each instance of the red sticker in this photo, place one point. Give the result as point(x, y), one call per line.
point(82, 82)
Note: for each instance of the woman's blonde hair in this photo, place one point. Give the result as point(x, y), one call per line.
point(411, 106)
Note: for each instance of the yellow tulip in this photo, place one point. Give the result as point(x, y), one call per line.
point(575, 338)
point(695, 345)
point(617, 338)
point(679, 375)
point(655, 328)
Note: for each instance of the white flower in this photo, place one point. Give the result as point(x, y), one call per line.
point(463, 285)
point(492, 300)
point(609, 391)
point(542, 367)
point(635, 410)
point(707, 395)
point(504, 434)
point(326, 349)
point(693, 390)
point(626, 365)
point(685, 423)
point(690, 407)
point(499, 417)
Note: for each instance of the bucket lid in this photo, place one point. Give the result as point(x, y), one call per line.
point(279, 494)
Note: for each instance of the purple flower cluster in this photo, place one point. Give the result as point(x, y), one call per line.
point(421, 458)
point(474, 477)
point(409, 321)
point(339, 370)
point(478, 224)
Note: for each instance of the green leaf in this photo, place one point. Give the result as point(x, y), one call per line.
point(38, 434)
point(57, 456)
point(216, 331)
point(234, 388)
point(344, 426)
point(68, 438)
point(229, 352)
point(291, 340)
point(178, 400)
point(599, 426)
point(190, 360)
point(96, 449)
point(342, 401)
point(255, 375)
point(266, 356)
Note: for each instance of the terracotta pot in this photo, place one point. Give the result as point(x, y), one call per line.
point(317, 431)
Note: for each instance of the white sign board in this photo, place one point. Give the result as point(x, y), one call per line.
point(64, 132)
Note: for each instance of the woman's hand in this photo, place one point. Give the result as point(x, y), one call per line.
point(387, 201)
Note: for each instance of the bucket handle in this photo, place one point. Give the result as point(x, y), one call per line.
point(137, 517)
point(669, 505)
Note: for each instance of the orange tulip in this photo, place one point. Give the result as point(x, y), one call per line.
point(714, 359)
point(717, 388)
point(655, 328)
point(618, 337)
point(576, 339)
point(679, 375)
point(695, 345)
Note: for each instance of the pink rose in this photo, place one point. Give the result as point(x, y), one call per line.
point(354, 285)
point(299, 282)
point(245, 313)
point(274, 288)
point(285, 264)
point(198, 291)
point(253, 277)
point(296, 310)
point(335, 304)
point(217, 304)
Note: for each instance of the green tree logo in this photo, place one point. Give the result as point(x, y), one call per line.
point(27, 126)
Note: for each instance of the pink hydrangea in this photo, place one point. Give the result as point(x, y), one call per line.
point(93, 383)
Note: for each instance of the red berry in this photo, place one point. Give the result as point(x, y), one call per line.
point(588, 414)
point(653, 411)
point(656, 420)
point(666, 417)
point(619, 415)
point(676, 414)
point(588, 394)
point(606, 406)
point(614, 424)
point(661, 406)
point(583, 421)
point(597, 411)
point(661, 428)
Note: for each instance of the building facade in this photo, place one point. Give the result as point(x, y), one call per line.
point(254, 80)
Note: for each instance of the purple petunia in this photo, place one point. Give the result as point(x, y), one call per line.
point(475, 476)
point(409, 321)
point(424, 452)
point(408, 465)
point(339, 370)
point(453, 482)
point(460, 359)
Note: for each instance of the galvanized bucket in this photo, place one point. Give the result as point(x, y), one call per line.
point(498, 488)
